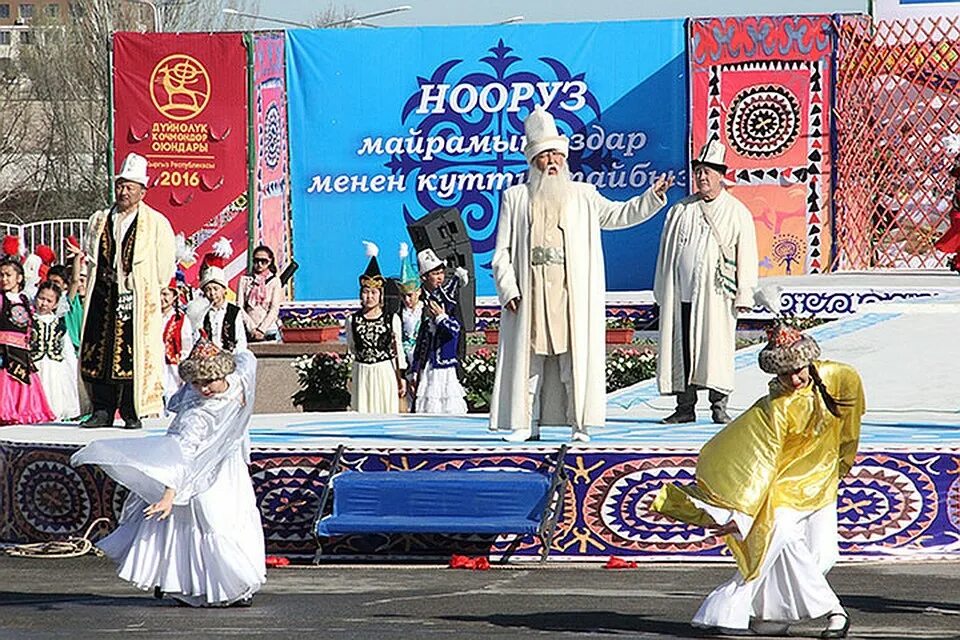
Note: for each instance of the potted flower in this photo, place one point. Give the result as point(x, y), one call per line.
point(324, 381)
point(620, 330)
point(310, 328)
point(491, 330)
point(479, 371)
point(629, 366)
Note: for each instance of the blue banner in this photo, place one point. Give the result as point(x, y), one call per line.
point(387, 125)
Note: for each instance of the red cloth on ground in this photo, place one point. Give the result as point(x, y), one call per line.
point(466, 562)
point(619, 563)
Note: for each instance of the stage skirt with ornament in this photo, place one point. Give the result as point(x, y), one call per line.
point(440, 391)
point(374, 388)
point(791, 585)
point(23, 403)
point(209, 552)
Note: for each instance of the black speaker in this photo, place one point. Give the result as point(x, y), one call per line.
point(288, 272)
point(392, 296)
point(442, 230)
point(439, 228)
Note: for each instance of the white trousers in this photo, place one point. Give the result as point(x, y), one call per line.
point(792, 583)
point(535, 384)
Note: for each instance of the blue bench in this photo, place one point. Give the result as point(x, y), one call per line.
point(445, 502)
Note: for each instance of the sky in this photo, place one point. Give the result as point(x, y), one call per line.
point(444, 12)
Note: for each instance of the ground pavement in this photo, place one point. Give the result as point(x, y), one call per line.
point(81, 598)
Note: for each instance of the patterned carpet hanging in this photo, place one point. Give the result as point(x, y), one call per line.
point(762, 87)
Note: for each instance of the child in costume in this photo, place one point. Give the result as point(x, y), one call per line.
point(53, 354)
point(436, 358)
point(377, 383)
point(223, 321)
point(411, 313)
point(768, 481)
point(76, 291)
point(177, 336)
point(22, 400)
point(198, 305)
point(190, 527)
point(60, 276)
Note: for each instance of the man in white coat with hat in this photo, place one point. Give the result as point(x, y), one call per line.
point(706, 274)
point(130, 258)
point(549, 274)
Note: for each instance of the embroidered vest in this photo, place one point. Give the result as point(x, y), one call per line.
point(172, 338)
point(16, 326)
point(228, 333)
point(46, 340)
point(372, 338)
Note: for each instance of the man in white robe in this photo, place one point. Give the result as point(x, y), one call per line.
point(706, 274)
point(549, 273)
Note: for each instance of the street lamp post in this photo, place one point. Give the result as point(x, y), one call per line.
point(360, 19)
point(294, 23)
point(339, 23)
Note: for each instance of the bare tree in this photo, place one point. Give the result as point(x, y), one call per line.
point(339, 16)
point(59, 136)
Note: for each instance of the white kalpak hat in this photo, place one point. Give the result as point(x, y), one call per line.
point(134, 169)
point(428, 261)
point(214, 274)
point(542, 135)
point(713, 155)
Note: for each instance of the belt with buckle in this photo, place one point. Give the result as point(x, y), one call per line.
point(546, 255)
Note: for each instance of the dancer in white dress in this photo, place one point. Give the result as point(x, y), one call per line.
point(53, 354)
point(190, 527)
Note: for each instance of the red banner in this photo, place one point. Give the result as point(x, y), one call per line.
point(180, 100)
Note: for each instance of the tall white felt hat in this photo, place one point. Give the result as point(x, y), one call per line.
point(542, 134)
point(134, 169)
point(713, 154)
point(428, 261)
point(214, 274)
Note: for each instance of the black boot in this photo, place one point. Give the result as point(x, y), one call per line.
point(686, 408)
point(99, 418)
point(718, 407)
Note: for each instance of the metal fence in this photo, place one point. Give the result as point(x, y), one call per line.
point(897, 97)
point(53, 233)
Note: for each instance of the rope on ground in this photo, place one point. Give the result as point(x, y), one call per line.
point(72, 547)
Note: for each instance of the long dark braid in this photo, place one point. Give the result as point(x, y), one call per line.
point(832, 405)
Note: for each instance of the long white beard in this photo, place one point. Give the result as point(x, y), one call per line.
point(550, 191)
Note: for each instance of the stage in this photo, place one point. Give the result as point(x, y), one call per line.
point(901, 500)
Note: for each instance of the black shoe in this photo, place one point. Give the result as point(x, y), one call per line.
point(97, 420)
point(679, 417)
point(158, 593)
point(719, 415)
point(837, 633)
point(132, 423)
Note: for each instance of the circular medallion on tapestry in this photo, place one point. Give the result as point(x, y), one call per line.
point(763, 121)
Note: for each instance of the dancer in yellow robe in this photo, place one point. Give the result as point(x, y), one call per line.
point(768, 482)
